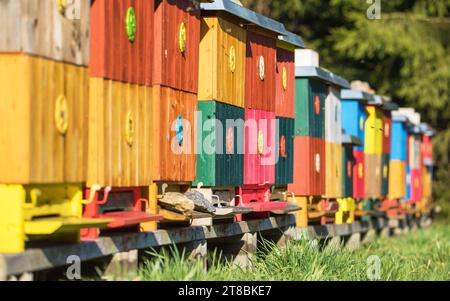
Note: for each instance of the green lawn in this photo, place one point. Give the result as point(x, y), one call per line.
point(424, 255)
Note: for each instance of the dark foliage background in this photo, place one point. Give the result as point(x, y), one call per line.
point(405, 54)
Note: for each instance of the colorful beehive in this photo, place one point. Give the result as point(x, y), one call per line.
point(44, 92)
point(427, 167)
point(353, 122)
point(176, 41)
point(285, 74)
point(223, 52)
point(333, 144)
point(373, 149)
point(122, 40)
point(398, 157)
point(57, 30)
point(220, 145)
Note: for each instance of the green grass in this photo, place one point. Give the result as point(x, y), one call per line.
point(423, 255)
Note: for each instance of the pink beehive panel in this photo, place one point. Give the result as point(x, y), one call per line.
point(260, 154)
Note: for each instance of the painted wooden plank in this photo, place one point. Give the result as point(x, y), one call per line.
point(222, 61)
point(260, 72)
point(120, 152)
point(172, 66)
point(173, 160)
point(39, 28)
point(285, 83)
point(284, 168)
point(33, 149)
point(117, 54)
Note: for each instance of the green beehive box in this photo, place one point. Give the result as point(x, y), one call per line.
point(284, 168)
point(348, 161)
point(222, 165)
point(310, 95)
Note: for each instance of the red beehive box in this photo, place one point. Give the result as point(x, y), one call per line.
point(259, 151)
point(427, 150)
point(122, 40)
point(176, 44)
point(416, 186)
point(358, 174)
point(260, 75)
point(285, 83)
point(309, 166)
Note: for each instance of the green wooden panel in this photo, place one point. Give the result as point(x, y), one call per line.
point(348, 161)
point(284, 168)
point(309, 121)
point(215, 166)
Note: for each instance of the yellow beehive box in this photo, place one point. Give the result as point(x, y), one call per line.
point(222, 61)
point(397, 179)
point(373, 139)
point(120, 135)
point(43, 120)
point(333, 170)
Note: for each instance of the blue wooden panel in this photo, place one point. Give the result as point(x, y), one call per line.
point(399, 138)
point(408, 183)
point(354, 119)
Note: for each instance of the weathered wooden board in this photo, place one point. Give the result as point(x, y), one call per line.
point(120, 136)
point(222, 61)
point(333, 170)
point(373, 175)
point(285, 83)
point(40, 28)
point(38, 95)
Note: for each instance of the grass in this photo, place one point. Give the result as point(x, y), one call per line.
point(423, 255)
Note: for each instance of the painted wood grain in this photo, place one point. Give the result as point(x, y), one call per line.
point(39, 28)
point(33, 149)
point(333, 170)
point(120, 153)
point(113, 55)
point(285, 88)
point(222, 61)
point(173, 161)
point(260, 87)
point(172, 67)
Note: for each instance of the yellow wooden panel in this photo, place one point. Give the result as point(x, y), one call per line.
point(119, 151)
point(222, 61)
point(397, 179)
point(333, 170)
point(33, 149)
point(373, 139)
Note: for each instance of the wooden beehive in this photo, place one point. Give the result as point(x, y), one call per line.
point(416, 186)
point(222, 61)
point(310, 97)
point(309, 167)
point(259, 151)
point(427, 150)
point(407, 196)
point(57, 30)
point(173, 141)
point(120, 135)
point(284, 168)
point(333, 170)
point(176, 43)
point(220, 160)
point(397, 179)
point(122, 40)
point(373, 136)
point(261, 58)
point(348, 163)
point(373, 175)
point(43, 120)
point(358, 175)
point(285, 81)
